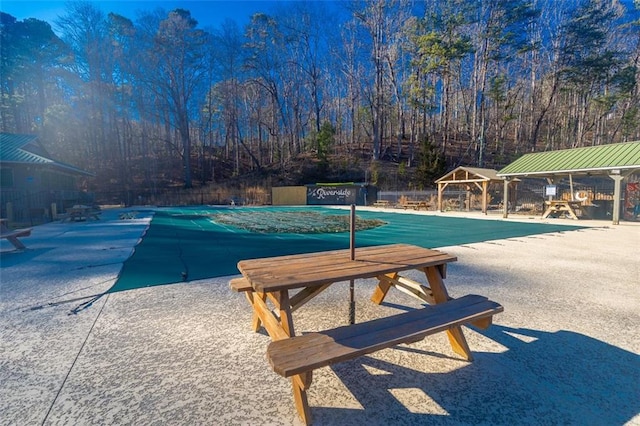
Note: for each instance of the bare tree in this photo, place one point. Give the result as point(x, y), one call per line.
point(84, 30)
point(373, 16)
point(178, 57)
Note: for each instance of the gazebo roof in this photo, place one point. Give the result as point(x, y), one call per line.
point(465, 174)
point(594, 160)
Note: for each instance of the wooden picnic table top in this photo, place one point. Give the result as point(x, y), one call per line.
point(79, 208)
point(563, 202)
point(316, 269)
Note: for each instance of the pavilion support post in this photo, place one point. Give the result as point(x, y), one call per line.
point(505, 199)
point(617, 179)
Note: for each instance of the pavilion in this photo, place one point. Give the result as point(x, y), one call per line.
point(618, 161)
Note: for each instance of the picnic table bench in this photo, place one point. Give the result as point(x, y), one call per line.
point(270, 280)
point(12, 235)
point(303, 354)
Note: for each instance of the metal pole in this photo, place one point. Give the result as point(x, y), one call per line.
point(352, 246)
point(352, 232)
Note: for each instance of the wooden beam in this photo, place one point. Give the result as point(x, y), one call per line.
point(461, 181)
point(268, 319)
point(384, 284)
point(286, 320)
point(305, 295)
point(410, 287)
point(485, 187)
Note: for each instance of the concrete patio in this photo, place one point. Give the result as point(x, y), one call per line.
point(565, 350)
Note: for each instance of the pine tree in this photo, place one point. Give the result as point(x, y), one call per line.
point(431, 163)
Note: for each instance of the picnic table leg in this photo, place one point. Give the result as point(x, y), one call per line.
point(382, 289)
point(284, 306)
point(16, 243)
point(456, 336)
point(300, 384)
point(572, 213)
point(255, 321)
point(266, 317)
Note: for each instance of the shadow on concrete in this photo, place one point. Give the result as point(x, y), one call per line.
point(541, 377)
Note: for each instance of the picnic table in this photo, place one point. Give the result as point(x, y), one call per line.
point(382, 203)
point(12, 235)
point(82, 212)
point(556, 207)
point(289, 282)
point(416, 205)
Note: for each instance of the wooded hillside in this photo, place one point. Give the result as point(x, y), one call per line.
point(321, 89)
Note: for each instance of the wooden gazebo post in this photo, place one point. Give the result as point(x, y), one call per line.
point(468, 198)
point(441, 187)
point(485, 186)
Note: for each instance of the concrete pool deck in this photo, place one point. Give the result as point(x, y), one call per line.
point(565, 351)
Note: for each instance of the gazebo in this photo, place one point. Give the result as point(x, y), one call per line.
point(469, 177)
point(618, 161)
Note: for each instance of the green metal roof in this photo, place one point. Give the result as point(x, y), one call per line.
point(594, 160)
point(25, 149)
point(11, 149)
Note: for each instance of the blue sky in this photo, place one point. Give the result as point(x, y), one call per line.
point(206, 12)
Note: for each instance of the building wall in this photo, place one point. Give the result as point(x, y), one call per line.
point(27, 192)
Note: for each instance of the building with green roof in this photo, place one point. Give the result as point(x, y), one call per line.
point(618, 161)
point(32, 184)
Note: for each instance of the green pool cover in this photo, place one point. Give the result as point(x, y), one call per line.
point(184, 244)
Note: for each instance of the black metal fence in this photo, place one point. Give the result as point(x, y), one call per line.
point(187, 197)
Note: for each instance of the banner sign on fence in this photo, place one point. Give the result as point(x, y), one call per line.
point(338, 194)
